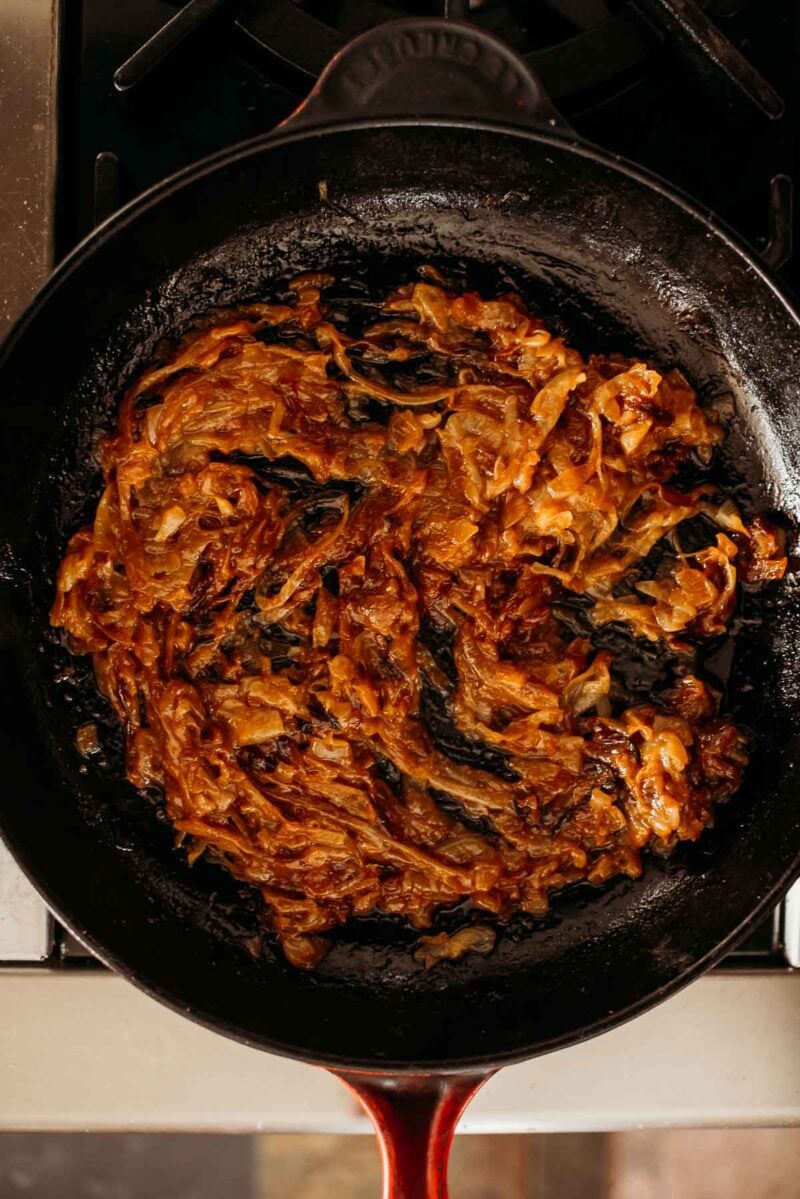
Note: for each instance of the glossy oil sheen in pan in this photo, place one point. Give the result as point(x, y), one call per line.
point(603, 255)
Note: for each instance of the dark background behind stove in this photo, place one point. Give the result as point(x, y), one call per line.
point(615, 80)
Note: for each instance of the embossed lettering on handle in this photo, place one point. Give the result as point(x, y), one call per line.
point(420, 68)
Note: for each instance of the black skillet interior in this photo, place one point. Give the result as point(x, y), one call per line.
point(606, 258)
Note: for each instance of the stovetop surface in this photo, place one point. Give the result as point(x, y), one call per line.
point(224, 87)
point(611, 76)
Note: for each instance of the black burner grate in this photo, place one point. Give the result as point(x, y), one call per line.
point(575, 46)
point(244, 68)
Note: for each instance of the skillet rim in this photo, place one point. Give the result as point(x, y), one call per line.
point(285, 135)
point(149, 199)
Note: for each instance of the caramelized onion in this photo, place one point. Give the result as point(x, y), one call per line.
point(323, 592)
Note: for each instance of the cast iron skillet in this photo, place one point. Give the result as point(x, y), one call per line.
point(605, 252)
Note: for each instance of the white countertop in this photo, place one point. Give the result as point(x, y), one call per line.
point(84, 1050)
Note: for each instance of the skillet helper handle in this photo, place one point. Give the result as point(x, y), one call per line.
point(415, 1119)
point(427, 67)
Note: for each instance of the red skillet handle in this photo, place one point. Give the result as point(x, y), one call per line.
point(415, 1118)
